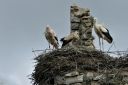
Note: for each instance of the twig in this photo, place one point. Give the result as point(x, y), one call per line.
point(34, 52)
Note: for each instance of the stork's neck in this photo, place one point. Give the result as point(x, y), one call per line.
point(95, 23)
point(48, 29)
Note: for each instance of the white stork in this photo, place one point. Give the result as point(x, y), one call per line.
point(51, 37)
point(71, 37)
point(102, 32)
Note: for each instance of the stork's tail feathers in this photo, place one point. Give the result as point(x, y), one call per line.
point(111, 39)
point(62, 39)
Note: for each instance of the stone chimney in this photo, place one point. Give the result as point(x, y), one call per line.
point(82, 21)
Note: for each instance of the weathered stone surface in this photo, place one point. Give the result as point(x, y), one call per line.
point(72, 74)
point(76, 79)
point(82, 21)
point(90, 75)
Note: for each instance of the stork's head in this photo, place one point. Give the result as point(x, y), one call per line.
point(95, 19)
point(47, 27)
point(76, 35)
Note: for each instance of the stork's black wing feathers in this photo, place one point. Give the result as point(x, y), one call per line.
point(62, 39)
point(107, 34)
point(65, 42)
point(56, 38)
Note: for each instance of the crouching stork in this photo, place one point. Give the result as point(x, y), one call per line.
point(71, 37)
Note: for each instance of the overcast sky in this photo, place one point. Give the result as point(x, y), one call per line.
point(22, 23)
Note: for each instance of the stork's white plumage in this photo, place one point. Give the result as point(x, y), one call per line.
point(51, 37)
point(102, 32)
point(71, 37)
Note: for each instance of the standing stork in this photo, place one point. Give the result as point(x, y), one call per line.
point(102, 32)
point(71, 37)
point(51, 37)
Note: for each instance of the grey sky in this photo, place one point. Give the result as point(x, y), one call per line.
point(22, 23)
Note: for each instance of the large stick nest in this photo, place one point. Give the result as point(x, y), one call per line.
point(62, 61)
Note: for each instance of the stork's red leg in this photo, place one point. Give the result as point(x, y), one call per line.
point(102, 45)
point(99, 43)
